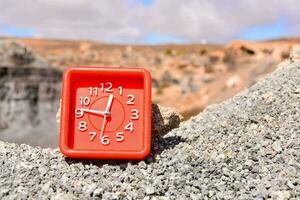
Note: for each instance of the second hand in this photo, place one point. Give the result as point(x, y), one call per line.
point(103, 125)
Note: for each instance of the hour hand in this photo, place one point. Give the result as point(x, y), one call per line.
point(81, 111)
point(109, 102)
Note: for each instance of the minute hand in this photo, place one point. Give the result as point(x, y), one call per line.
point(93, 111)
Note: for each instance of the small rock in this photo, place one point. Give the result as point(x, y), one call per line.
point(98, 192)
point(295, 53)
point(277, 146)
point(46, 187)
point(167, 79)
point(280, 195)
point(290, 185)
point(208, 78)
point(268, 97)
point(164, 119)
point(60, 196)
point(233, 81)
point(150, 190)
point(268, 118)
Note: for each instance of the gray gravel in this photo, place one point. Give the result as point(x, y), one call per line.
point(245, 148)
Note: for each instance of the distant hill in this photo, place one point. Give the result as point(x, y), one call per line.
point(187, 77)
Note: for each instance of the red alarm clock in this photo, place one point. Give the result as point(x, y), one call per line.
point(106, 113)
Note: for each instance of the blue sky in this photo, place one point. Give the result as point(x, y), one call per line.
point(146, 2)
point(18, 32)
point(154, 22)
point(276, 29)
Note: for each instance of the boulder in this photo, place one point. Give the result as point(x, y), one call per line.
point(15, 54)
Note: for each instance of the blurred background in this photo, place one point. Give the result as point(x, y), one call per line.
point(198, 52)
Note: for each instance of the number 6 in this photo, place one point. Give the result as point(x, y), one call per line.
point(104, 140)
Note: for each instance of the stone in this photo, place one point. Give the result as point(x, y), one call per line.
point(208, 78)
point(277, 146)
point(233, 82)
point(295, 53)
point(29, 96)
point(14, 54)
point(164, 119)
point(150, 190)
point(280, 195)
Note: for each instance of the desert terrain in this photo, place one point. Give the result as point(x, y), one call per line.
point(187, 77)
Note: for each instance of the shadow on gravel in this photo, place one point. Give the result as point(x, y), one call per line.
point(161, 144)
point(158, 146)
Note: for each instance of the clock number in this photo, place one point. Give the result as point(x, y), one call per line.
point(93, 90)
point(107, 87)
point(93, 135)
point(82, 126)
point(129, 127)
point(131, 99)
point(120, 90)
point(79, 113)
point(104, 140)
point(135, 114)
point(120, 137)
point(84, 101)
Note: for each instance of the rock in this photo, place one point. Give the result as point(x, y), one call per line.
point(29, 96)
point(164, 119)
point(150, 190)
point(167, 79)
point(277, 146)
point(280, 195)
point(295, 53)
point(14, 54)
point(208, 78)
point(233, 81)
point(188, 85)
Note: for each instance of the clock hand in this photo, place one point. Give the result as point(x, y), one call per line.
point(106, 113)
point(103, 125)
point(109, 102)
point(93, 111)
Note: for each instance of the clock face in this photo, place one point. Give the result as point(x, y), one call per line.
point(108, 113)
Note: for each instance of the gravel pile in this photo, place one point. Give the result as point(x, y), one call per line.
point(245, 148)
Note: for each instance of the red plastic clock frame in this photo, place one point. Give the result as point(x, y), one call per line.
point(65, 134)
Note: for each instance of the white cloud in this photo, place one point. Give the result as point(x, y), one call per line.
point(217, 20)
point(129, 21)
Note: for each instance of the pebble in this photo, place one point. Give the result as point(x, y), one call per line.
point(277, 146)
